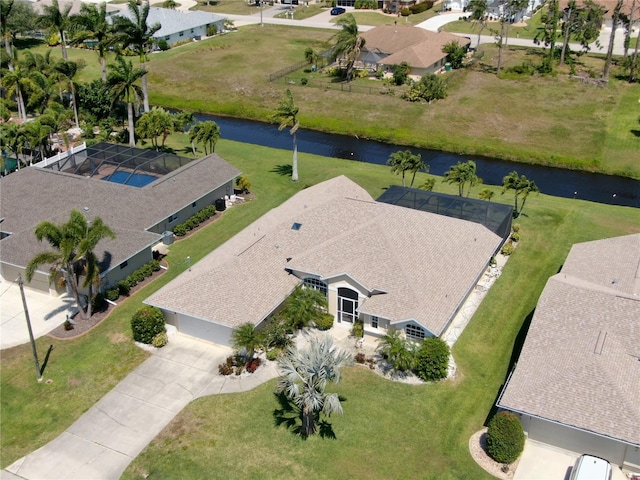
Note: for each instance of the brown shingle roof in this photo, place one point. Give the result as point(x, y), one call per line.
point(32, 195)
point(425, 262)
point(418, 47)
point(579, 364)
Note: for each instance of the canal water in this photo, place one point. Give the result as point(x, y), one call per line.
point(558, 182)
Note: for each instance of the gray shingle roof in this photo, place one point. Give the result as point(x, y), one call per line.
point(579, 365)
point(426, 263)
point(32, 195)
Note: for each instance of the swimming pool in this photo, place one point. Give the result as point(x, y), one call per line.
point(134, 180)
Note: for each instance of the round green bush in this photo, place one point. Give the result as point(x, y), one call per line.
point(324, 322)
point(505, 438)
point(146, 323)
point(124, 288)
point(113, 294)
point(160, 340)
point(432, 360)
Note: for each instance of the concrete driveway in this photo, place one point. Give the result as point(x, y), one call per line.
point(544, 462)
point(46, 313)
point(102, 443)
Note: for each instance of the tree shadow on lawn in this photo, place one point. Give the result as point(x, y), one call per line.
point(515, 354)
point(290, 416)
point(284, 170)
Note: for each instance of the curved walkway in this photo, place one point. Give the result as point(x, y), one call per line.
point(103, 441)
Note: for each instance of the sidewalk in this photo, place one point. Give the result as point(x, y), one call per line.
point(102, 443)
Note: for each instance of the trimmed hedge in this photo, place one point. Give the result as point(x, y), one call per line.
point(192, 222)
point(505, 438)
point(432, 360)
point(146, 323)
point(324, 322)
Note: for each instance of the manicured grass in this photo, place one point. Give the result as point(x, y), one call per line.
point(493, 28)
point(233, 7)
point(302, 12)
point(429, 442)
point(389, 430)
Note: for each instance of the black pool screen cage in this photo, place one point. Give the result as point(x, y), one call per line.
point(106, 159)
point(495, 216)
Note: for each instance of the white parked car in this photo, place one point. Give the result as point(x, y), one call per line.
point(588, 467)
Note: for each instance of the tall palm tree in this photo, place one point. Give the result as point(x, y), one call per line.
point(58, 20)
point(305, 375)
point(349, 43)
point(287, 115)
point(72, 245)
point(521, 187)
point(5, 10)
point(91, 24)
point(13, 137)
point(405, 161)
point(67, 70)
point(138, 34)
point(121, 82)
point(463, 174)
point(25, 80)
point(37, 136)
point(207, 133)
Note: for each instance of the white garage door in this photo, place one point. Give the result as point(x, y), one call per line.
point(209, 331)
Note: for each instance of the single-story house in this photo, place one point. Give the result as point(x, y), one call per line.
point(389, 45)
point(390, 266)
point(178, 26)
point(139, 215)
point(576, 384)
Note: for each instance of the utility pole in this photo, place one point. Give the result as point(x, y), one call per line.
point(33, 342)
point(261, 3)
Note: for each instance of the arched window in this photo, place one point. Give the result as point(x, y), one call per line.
point(413, 332)
point(316, 284)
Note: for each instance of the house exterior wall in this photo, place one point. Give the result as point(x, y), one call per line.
point(577, 441)
point(379, 331)
point(39, 282)
point(182, 215)
point(200, 31)
point(126, 268)
point(332, 294)
point(209, 331)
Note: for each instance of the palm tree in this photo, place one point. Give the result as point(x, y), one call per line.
point(399, 352)
point(135, 32)
point(13, 137)
point(58, 20)
point(91, 24)
point(305, 374)
point(405, 161)
point(348, 43)
point(486, 194)
point(37, 135)
point(5, 10)
point(73, 243)
point(67, 70)
point(207, 133)
point(121, 82)
point(521, 186)
point(303, 306)
point(287, 115)
point(463, 174)
point(246, 337)
point(478, 9)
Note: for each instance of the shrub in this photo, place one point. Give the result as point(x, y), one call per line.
point(515, 237)
point(98, 302)
point(131, 281)
point(432, 360)
point(505, 438)
point(515, 227)
point(155, 265)
point(124, 288)
point(212, 30)
point(179, 230)
point(139, 276)
point(359, 358)
point(146, 270)
point(252, 365)
point(405, 12)
point(273, 354)
point(225, 369)
point(304, 81)
point(160, 340)
point(358, 329)
point(113, 294)
point(243, 184)
point(68, 325)
point(508, 248)
point(163, 45)
point(146, 323)
point(324, 322)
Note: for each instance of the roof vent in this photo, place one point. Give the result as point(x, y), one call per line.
point(296, 226)
point(614, 281)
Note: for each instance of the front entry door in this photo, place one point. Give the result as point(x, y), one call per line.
point(347, 305)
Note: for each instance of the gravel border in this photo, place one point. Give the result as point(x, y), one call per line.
point(477, 446)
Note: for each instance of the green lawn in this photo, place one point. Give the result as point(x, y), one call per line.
point(438, 418)
point(233, 7)
point(493, 28)
point(302, 12)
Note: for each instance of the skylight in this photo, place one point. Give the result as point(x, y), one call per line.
point(296, 226)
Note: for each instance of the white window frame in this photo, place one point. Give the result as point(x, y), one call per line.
point(414, 332)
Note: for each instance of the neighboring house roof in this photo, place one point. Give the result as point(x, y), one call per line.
point(32, 195)
point(580, 362)
point(394, 44)
point(173, 21)
point(424, 263)
point(608, 5)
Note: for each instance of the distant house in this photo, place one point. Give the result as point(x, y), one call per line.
point(495, 9)
point(178, 26)
point(389, 45)
point(390, 266)
point(576, 384)
point(168, 190)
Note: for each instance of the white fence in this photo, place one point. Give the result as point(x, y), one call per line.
point(60, 156)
